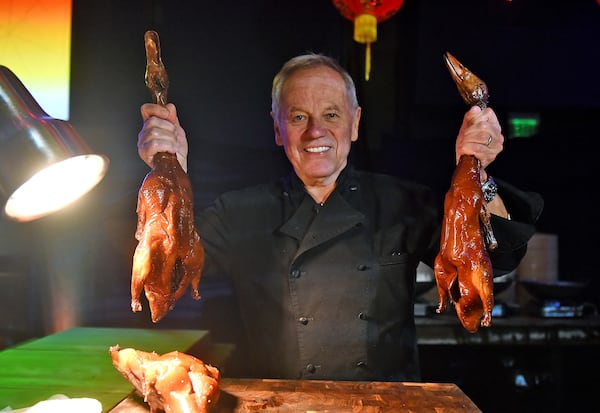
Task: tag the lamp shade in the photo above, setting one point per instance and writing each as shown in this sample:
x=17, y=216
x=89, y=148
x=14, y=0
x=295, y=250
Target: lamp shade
x=44, y=163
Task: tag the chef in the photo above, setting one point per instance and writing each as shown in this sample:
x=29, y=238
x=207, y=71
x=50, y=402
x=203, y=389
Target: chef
x=322, y=262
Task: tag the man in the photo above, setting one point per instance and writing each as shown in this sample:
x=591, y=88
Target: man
x=322, y=263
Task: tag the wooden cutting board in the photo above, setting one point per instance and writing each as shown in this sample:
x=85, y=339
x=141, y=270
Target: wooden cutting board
x=249, y=395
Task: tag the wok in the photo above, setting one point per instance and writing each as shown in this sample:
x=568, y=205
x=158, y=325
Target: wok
x=554, y=290
x=502, y=282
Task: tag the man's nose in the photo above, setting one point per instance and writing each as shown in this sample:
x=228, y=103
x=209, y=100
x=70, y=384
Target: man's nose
x=316, y=128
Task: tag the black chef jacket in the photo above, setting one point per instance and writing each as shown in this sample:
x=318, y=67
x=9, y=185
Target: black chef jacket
x=327, y=291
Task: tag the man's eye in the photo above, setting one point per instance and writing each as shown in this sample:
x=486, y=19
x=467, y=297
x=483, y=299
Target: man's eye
x=298, y=118
x=331, y=115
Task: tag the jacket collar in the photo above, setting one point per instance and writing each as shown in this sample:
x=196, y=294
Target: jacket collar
x=293, y=187
x=312, y=225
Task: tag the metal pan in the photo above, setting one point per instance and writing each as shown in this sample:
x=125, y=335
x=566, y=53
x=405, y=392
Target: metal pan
x=555, y=290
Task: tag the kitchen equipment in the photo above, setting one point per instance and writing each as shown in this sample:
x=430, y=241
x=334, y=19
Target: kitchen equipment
x=540, y=262
x=425, y=279
x=427, y=301
x=557, y=290
x=558, y=299
x=502, y=282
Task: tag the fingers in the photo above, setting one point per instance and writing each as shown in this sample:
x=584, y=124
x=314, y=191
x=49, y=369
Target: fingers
x=480, y=135
x=161, y=132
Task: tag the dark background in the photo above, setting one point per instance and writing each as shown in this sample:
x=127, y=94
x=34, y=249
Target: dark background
x=536, y=57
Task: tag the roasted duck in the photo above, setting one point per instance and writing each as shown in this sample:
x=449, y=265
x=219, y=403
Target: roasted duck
x=463, y=269
x=172, y=383
x=169, y=255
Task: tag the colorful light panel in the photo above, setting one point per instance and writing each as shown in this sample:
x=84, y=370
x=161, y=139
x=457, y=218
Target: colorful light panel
x=35, y=43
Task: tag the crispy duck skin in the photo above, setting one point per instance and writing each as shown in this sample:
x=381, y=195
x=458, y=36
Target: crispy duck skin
x=462, y=268
x=169, y=255
x=174, y=382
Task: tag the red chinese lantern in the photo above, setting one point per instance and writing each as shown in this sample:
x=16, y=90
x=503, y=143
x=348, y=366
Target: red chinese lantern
x=366, y=14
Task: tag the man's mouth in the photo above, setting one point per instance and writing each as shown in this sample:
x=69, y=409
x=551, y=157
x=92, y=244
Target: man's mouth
x=317, y=149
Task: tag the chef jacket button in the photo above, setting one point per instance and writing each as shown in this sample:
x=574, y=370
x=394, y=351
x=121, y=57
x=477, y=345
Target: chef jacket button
x=311, y=368
x=296, y=273
x=362, y=316
x=286, y=194
x=353, y=188
x=303, y=320
x=361, y=364
x=361, y=267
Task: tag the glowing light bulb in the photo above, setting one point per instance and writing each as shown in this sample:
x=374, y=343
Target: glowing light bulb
x=55, y=187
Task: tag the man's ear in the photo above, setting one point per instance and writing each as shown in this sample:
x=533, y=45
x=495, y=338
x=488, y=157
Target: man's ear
x=355, y=124
x=278, y=140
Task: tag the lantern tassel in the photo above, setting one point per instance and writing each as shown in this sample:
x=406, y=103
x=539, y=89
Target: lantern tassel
x=366, y=14
x=368, y=61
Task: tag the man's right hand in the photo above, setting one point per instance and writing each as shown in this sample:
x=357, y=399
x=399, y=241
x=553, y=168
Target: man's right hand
x=161, y=132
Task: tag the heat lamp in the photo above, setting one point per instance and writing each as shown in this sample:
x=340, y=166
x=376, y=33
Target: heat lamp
x=44, y=164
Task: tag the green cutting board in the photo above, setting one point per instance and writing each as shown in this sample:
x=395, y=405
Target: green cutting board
x=77, y=363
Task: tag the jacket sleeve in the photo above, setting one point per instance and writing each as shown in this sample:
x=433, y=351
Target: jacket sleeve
x=513, y=234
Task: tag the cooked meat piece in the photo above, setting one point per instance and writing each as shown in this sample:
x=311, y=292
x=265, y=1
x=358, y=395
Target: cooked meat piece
x=169, y=255
x=463, y=269
x=172, y=383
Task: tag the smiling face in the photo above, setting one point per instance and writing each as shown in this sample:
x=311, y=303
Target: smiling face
x=316, y=124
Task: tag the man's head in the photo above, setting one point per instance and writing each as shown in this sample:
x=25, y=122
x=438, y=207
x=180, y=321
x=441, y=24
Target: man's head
x=308, y=61
x=316, y=116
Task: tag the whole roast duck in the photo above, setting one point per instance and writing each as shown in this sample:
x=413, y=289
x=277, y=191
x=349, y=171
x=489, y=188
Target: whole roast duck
x=462, y=268
x=169, y=256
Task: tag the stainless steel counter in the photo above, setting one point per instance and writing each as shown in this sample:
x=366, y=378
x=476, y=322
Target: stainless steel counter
x=445, y=329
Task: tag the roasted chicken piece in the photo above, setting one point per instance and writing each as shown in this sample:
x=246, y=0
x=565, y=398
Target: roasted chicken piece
x=172, y=383
x=169, y=255
x=463, y=269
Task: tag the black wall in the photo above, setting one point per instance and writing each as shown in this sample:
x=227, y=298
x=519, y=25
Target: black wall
x=221, y=57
